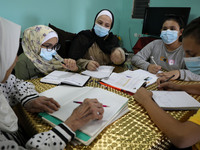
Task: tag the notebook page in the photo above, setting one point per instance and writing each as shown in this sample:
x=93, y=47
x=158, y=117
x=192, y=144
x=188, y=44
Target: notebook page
x=64, y=95
x=101, y=72
x=130, y=80
x=56, y=77
x=174, y=99
x=142, y=75
x=124, y=82
x=106, y=98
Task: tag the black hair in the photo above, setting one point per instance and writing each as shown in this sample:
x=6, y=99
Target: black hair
x=193, y=30
x=178, y=19
x=111, y=14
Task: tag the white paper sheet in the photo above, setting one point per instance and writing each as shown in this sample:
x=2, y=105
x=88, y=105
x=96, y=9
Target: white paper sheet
x=101, y=72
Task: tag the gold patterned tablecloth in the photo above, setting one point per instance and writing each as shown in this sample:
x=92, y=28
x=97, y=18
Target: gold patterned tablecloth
x=133, y=131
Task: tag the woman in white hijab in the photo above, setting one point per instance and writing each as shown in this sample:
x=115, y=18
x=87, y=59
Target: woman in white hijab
x=12, y=90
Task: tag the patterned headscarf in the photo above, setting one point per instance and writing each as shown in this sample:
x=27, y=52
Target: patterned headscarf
x=32, y=40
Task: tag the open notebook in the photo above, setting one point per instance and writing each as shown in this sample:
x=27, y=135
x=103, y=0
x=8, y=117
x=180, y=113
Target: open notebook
x=175, y=100
x=65, y=95
x=101, y=72
x=130, y=81
x=63, y=77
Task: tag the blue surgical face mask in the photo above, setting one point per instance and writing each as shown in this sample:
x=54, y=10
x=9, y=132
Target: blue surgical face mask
x=193, y=64
x=100, y=31
x=47, y=55
x=169, y=36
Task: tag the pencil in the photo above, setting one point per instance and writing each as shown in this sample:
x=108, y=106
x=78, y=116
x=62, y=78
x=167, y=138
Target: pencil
x=82, y=102
x=169, y=78
x=58, y=59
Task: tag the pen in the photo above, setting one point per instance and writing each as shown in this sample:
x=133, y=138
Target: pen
x=58, y=59
x=169, y=78
x=92, y=58
x=144, y=84
x=82, y=102
x=152, y=58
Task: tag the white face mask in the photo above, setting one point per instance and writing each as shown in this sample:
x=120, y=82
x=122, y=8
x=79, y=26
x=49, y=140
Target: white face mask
x=193, y=64
x=47, y=55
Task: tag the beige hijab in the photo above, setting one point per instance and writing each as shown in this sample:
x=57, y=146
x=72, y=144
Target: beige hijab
x=32, y=40
x=9, y=43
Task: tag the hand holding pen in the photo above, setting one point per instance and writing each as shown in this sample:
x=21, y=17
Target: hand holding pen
x=153, y=68
x=169, y=85
x=92, y=65
x=165, y=85
x=69, y=64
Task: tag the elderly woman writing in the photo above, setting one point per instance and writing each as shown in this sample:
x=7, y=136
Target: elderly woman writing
x=13, y=90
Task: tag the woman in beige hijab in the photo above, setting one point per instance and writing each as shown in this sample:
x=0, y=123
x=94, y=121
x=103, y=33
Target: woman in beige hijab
x=40, y=45
x=13, y=90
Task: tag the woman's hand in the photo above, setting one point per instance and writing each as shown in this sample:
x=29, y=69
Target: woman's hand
x=92, y=65
x=90, y=109
x=70, y=64
x=166, y=75
x=169, y=86
x=142, y=96
x=42, y=104
x=154, y=68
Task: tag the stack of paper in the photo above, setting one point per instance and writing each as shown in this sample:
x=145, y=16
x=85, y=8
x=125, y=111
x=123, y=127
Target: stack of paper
x=63, y=77
x=175, y=100
x=65, y=95
x=130, y=80
x=101, y=72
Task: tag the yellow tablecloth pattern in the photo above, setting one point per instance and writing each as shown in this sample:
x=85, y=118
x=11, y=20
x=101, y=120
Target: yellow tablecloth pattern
x=135, y=130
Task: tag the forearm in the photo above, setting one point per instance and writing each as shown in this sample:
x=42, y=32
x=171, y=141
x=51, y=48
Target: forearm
x=187, y=75
x=140, y=62
x=191, y=89
x=172, y=128
x=57, y=138
x=82, y=63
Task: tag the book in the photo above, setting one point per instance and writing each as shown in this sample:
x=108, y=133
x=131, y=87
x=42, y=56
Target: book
x=175, y=100
x=65, y=95
x=101, y=72
x=129, y=80
x=63, y=77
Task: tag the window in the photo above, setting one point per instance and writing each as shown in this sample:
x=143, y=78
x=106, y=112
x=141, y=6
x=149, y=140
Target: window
x=139, y=8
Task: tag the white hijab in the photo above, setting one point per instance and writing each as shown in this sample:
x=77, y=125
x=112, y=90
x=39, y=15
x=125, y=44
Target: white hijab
x=9, y=43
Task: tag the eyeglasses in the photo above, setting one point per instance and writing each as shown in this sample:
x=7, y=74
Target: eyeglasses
x=49, y=48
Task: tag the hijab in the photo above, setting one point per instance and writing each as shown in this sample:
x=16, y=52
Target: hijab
x=32, y=40
x=107, y=13
x=9, y=43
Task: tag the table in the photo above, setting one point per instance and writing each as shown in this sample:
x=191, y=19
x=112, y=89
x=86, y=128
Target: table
x=135, y=130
